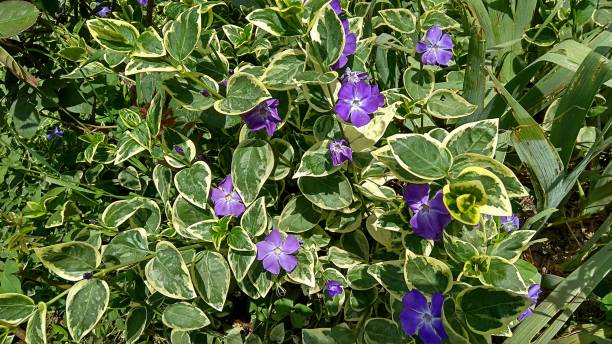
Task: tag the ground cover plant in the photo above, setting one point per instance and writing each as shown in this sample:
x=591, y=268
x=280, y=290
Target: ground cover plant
x=288, y=171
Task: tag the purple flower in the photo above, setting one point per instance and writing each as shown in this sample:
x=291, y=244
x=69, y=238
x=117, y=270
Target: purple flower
x=333, y=288
x=533, y=293
x=436, y=47
x=430, y=215
x=178, y=149
x=143, y=2
x=205, y=92
x=357, y=102
x=226, y=201
x=265, y=115
x=340, y=152
x=510, y=223
x=224, y=81
x=87, y=276
x=274, y=252
x=419, y=316
x=350, y=45
x=104, y=10
x=336, y=6
x=352, y=77
x=55, y=133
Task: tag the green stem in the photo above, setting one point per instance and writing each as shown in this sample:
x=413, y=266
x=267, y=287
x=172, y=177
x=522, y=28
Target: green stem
x=202, y=84
x=58, y=297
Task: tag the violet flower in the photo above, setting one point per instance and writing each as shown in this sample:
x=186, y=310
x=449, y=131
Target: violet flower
x=436, y=47
x=350, y=46
x=143, y=2
x=205, y=93
x=265, y=115
x=178, y=149
x=357, y=102
x=340, y=152
x=353, y=77
x=336, y=6
x=55, y=133
x=226, y=200
x=276, y=253
x=104, y=10
x=333, y=288
x=430, y=215
x=87, y=276
x=510, y=223
x=419, y=316
x=533, y=293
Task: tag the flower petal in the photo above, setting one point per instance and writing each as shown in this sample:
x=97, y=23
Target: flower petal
x=416, y=195
x=436, y=304
x=411, y=321
x=444, y=57
x=227, y=184
x=446, y=42
x=359, y=118
x=415, y=301
x=434, y=34
x=426, y=225
x=217, y=195
x=271, y=264
x=439, y=327
x=525, y=314
x=422, y=47
x=264, y=249
x=287, y=261
x=429, y=58
x=291, y=244
x=236, y=208
x=275, y=238
x=428, y=334
x=343, y=109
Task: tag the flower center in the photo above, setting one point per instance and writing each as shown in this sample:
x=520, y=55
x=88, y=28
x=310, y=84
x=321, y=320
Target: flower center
x=356, y=102
x=278, y=251
x=427, y=317
x=424, y=207
x=228, y=197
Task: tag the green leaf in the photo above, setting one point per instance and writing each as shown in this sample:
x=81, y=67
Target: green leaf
x=168, y=274
x=211, y=277
x=476, y=137
x=180, y=337
x=15, y=308
x=113, y=34
x=399, y=19
x=149, y=44
x=419, y=83
x=9, y=62
x=193, y=183
x=282, y=165
x=463, y=200
x=244, y=92
x=129, y=179
x=135, y=324
x=162, y=178
x=513, y=186
x=25, y=116
x=421, y=155
x=252, y=164
x=127, y=246
x=512, y=246
x=36, y=331
x=304, y=272
x=502, y=274
x=69, y=260
x=127, y=149
x=446, y=104
x=458, y=250
x=327, y=37
x=382, y=331
x=339, y=334
x=278, y=22
x=343, y=259
x=359, y=278
x=255, y=220
x=365, y=137
x=146, y=65
x=182, y=34
x=488, y=309
x=185, y=215
x=496, y=202
x=86, y=302
x=17, y=16
x=184, y=316
x=187, y=92
x=239, y=240
x=428, y=274
x=298, y=216
x=331, y=192
x=316, y=161
x=283, y=68
x=390, y=275
x=147, y=216
x=240, y=262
